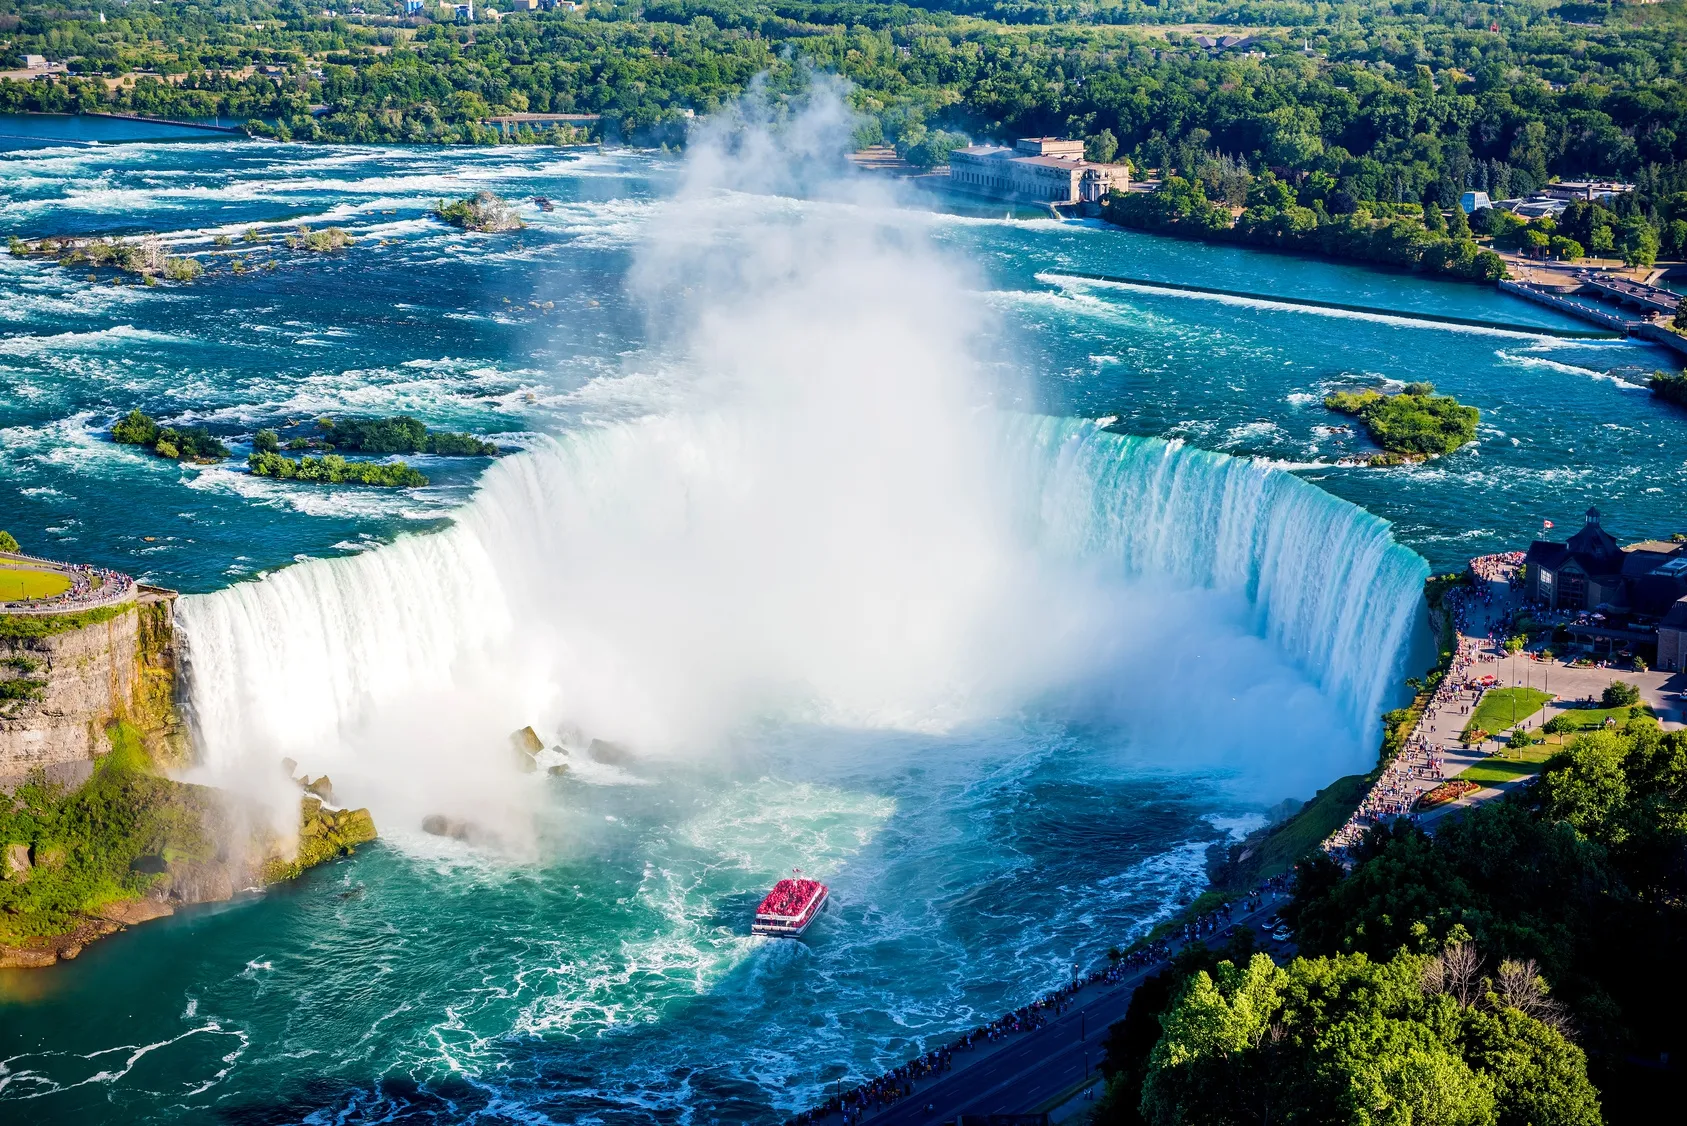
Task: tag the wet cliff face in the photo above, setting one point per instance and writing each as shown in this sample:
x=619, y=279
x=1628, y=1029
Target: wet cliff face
x=65, y=678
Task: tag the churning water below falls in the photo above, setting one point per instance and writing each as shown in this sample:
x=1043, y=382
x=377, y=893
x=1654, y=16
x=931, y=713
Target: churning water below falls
x=825, y=510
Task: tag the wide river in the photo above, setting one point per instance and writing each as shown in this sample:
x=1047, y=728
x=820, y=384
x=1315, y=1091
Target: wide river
x=982, y=828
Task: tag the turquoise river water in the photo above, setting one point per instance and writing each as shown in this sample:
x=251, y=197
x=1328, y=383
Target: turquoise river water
x=888, y=553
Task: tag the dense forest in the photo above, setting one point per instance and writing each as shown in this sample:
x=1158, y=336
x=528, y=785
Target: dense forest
x=1520, y=966
x=1393, y=102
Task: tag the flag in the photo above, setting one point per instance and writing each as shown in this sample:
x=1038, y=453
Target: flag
x=1546, y=523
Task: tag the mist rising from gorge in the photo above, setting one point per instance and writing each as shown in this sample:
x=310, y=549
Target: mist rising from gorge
x=826, y=519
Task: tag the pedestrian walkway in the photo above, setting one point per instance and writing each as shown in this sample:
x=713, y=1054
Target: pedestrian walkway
x=1483, y=614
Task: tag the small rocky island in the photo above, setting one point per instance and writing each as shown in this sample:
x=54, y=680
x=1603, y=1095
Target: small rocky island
x=1411, y=426
x=400, y=434
x=94, y=833
x=483, y=211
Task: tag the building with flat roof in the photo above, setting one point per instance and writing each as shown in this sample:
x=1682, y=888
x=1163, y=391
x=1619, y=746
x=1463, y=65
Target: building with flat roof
x=1044, y=169
x=1586, y=190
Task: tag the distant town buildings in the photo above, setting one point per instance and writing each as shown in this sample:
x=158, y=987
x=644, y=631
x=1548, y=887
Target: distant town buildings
x=1043, y=169
x=1227, y=42
x=1636, y=595
x=1552, y=200
x=1587, y=190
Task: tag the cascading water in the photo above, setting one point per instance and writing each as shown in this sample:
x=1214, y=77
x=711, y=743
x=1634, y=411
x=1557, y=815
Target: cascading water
x=1328, y=583
x=599, y=580
x=822, y=522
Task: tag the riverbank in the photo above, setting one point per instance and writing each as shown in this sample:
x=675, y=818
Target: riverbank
x=95, y=836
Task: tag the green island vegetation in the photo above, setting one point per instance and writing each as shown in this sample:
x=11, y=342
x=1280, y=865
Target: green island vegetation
x=333, y=469
x=1671, y=388
x=400, y=434
x=144, y=257
x=176, y=443
x=1410, y=426
x=1330, y=128
x=483, y=211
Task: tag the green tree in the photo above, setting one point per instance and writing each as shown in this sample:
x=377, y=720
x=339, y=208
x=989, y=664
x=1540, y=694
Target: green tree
x=8, y=542
x=1620, y=694
x=1102, y=147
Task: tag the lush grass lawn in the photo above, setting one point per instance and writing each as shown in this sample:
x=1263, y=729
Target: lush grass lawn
x=1512, y=764
x=18, y=583
x=1591, y=719
x=1502, y=707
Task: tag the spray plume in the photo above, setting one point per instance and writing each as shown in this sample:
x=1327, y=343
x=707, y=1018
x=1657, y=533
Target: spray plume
x=827, y=523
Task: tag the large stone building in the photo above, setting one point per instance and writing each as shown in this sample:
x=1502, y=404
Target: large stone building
x=1638, y=593
x=1044, y=169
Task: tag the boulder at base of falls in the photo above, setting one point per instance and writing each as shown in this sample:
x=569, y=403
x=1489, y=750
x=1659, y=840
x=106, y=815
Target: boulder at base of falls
x=323, y=835
x=610, y=754
x=526, y=743
x=322, y=788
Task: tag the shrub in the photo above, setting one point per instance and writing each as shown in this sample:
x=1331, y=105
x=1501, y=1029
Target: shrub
x=1620, y=694
x=135, y=429
x=401, y=434
x=267, y=442
x=1671, y=388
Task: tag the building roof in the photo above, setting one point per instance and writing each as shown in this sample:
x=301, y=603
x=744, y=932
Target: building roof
x=1065, y=163
x=1545, y=553
x=1677, y=616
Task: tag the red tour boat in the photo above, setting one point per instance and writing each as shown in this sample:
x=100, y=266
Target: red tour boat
x=789, y=908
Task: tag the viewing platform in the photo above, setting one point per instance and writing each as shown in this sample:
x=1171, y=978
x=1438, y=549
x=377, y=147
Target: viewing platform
x=32, y=585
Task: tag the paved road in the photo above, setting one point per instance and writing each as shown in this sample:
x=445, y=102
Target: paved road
x=1031, y=1071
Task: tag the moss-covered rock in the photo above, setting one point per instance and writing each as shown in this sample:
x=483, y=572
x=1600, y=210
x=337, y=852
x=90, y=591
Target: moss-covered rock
x=324, y=834
x=130, y=845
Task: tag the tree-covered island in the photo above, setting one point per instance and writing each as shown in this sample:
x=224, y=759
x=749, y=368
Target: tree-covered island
x=1412, y=425
x=193, y=443
x=483, y=211
x=336, y=470
x=400, y=434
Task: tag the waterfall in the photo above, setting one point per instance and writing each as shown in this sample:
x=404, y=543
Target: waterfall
x=661, y=578
x=1327, y=581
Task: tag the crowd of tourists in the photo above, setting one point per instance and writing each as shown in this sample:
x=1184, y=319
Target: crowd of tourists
x=1414, y=772
x=1421, y=766
x=89, y=586
x=788, y=898
x=1505, y=567
x=855, y=1104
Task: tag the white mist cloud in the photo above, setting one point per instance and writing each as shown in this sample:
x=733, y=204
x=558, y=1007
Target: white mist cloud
x=824, y=529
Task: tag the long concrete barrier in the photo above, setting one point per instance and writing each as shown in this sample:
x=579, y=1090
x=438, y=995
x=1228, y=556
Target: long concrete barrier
x=1431, y=318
